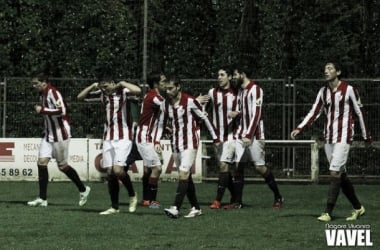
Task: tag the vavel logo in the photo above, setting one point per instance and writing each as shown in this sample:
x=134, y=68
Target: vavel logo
x=348, y=235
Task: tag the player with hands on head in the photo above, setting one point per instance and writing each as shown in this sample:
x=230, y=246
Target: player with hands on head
x=117, y=136
x=55, y=143
x=338, y=100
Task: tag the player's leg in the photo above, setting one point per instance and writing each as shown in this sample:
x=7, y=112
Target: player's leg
x=145, y=184
x=153, y=186
x=44, y=155
x=237, y=177
x=122, y=149
x=61, y=154
x=226, y=159
x=182, y=186
x=133, y=156
x=223, y=183
x=113, y=188
x=336, y=167
x=257, y=153
x=191, y=195
x=346, y=184
x=152, y=165
x=332, y=195
x=43, y=179
x=112, y=180
x=185, y=161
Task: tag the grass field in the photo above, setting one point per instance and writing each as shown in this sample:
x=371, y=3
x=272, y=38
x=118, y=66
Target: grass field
x=65, y=225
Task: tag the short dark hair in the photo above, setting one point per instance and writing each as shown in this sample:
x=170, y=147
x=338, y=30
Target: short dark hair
x=104, y=79
x=42, y=77
x=174, y=79
x=247, y=70
x=152, y=79
x=338, y=67
x=226, y=68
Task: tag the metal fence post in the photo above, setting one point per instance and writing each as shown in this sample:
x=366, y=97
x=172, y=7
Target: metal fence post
x=314, y=151
x=3, y=122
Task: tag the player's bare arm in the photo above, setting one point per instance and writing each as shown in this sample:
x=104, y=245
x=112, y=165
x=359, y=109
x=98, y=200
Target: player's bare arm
x=203, y=99
x=87, y=90
x=134, y=89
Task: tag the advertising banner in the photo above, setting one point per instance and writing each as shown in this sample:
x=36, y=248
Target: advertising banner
x=18, y=161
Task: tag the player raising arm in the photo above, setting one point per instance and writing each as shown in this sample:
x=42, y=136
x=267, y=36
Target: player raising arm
x=338, y=101
x=117, y=136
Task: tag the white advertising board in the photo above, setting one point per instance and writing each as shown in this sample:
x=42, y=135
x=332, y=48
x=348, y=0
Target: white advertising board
x=18, y=161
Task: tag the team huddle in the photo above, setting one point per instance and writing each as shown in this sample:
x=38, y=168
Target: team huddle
x=232, y=117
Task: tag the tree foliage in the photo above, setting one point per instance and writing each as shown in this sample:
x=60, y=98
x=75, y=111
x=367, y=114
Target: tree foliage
x=190, y=38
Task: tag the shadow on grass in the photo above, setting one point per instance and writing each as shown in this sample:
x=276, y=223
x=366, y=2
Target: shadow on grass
x=24, y=202
x=14, y=202
x=139, y=212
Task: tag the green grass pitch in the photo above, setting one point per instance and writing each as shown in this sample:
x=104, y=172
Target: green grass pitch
x=65, y=225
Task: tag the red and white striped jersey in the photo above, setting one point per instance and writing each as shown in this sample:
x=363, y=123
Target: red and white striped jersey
x=250, y=101
x=185, y=130
x=338, y=107
x=150, y=112
x=55, y=115
x=117, y=116
x=223, y=102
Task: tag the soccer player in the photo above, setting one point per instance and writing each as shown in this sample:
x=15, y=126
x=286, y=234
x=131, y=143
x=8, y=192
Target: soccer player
x=146, y=130
x=117, y=137
x=183, y=110
x=250, y=136
x=223, y=100
x=338, y=100
x=55, y=143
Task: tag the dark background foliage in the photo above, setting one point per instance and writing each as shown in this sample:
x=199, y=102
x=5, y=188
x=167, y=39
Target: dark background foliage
x=76, y=41
x=190, y=38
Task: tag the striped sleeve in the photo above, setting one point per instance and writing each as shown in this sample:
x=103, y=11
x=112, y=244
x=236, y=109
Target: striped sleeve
x=161, y=123
x=256, y=109
x=197, y=110
x=57, y=106
x=359, y=111
x=315, y=111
